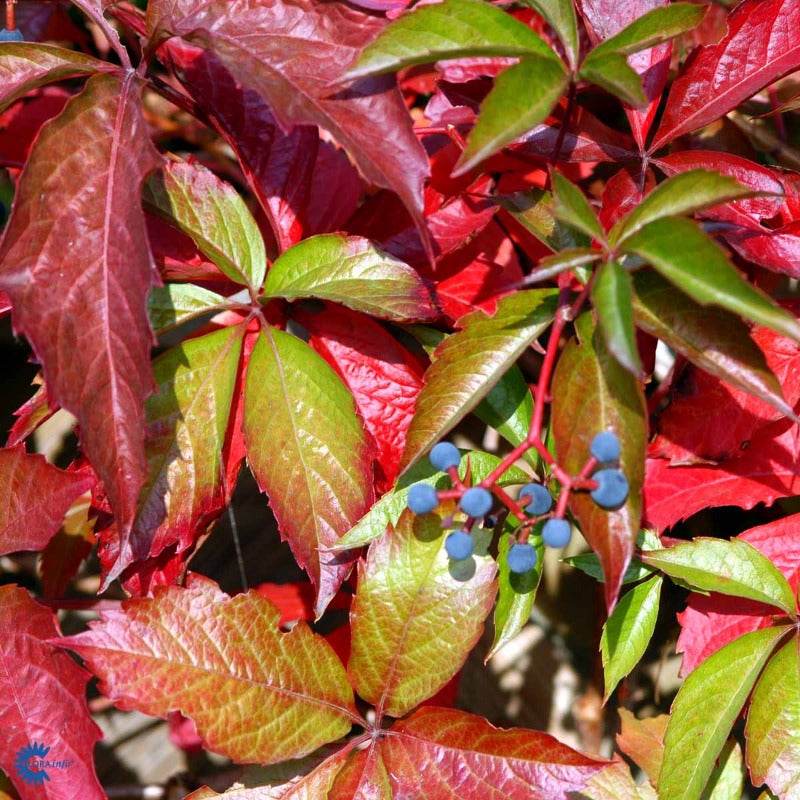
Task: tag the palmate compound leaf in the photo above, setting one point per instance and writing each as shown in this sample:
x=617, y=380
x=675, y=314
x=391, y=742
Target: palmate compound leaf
x=350, y=270
x=468, y=363
x=214, y=215
x=309, y=453
x=705, y=709
x=593, y=393
x=76, y=264
x=255, y=694
x=292, y=52
x=410, y=598
x=34, y=497
x=44, y=701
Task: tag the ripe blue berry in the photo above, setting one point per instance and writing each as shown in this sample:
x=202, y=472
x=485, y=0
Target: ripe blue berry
x=11, y=36
x=422, y=498
x=458, y=545
x=522, y=558
x=605, y=446
x=541, y=500
x=444, y=456
x=477, y=502
x=556, y=533
x=612, y=488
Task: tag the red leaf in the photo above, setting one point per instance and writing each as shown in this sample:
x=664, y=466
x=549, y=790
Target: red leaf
x=20, y=123
x=78, y=195
x=279, y=166
x=777, y=250
x=450, y=755
x=30, y=415
x=43, y=692
x=622, y=193
x=710, y=622
x=34, y=496
x=604, y=18
x=761, y=45
x=336, y=188
x=383, y=377
x=292, y=54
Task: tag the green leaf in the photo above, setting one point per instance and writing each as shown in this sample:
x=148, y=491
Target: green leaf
x=523, y=96
x=698, y=266
x=628, y=631
x=508, y=408
x=213, y=215
x=773, y=724
x=173, y=304
x=468, y=363
x=571, y=206
x=727, y=778
x=352, y=271
x=612, y=298
x=656, y=26
x=714, y=339
x=707, y=705
x=733, y=567
x=388, y=509
x=550, y=266
x=684, y=193
x=533, y=210
x=560, y=15
x=308, y=451
x=410, y=599
x=517, y=593
x=452, y=29
x=590, y=564
x=592, y=393
x=611, y=72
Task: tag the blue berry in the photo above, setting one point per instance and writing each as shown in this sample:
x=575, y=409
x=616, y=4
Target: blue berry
x=612, y=488
x=522, y=558
x=458, y=545
x=444, y=456
x=541, y=500
x=556, y=533
x=422, y=498
x=11, y=36
x=605, y=446
x=477, y=502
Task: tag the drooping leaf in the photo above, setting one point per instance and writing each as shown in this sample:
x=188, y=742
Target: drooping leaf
x=516, y=594
x=175, y=303
x=410, y=596
x=44, y=693
x=731, y=567
x=627, y=632
x=271, y=697
x=707, y=705
x=452, y=29
x=523, y=96
x=714, y=339
x=308, y=451
x=383, y=377
x=449, y=754
x=292, y=54
x=214, y=215
x=612, y=298
x=678, y=249
x=351, y=271
x=24, y=66
x=560, y=15
x=388, y=509
x=758, y=48
x=773, y=724
x=86, y=316
x=593, y=393
x=570, y=206
x=34, y=497
x=684, y=193
x=468, y=363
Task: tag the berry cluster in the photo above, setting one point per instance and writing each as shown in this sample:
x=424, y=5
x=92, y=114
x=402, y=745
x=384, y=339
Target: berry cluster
x=608, y=488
